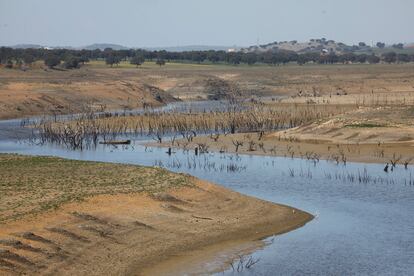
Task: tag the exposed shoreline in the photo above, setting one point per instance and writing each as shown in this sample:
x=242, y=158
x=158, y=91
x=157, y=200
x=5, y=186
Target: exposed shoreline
x=135, y=233
x=311, y=149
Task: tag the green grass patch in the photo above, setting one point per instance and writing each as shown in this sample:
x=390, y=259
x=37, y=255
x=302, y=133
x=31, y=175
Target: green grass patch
x=34, y=184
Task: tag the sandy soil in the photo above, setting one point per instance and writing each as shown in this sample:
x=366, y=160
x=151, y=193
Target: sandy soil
x=308, y=149
x=140, y=233
x=38, y=92
x=367, y=134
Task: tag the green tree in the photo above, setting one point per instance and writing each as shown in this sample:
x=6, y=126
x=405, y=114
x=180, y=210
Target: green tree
x=390, y=57
x=301, y=60
x=403, y=58
x=362, y=58
x=233, y=58
x=398, y=46
x=381, y=45
x=267, y=58
x=51, y=60
x=84, y=59
x=5, y=54
x=347, y=58
x=9, y=64
x=373, y=59
x=249, y=58
x=112, y=59
x=71, y=62
x=28, y=59
x=160, y=62
x=198, y=56
x=215, y=56
x=137, y=60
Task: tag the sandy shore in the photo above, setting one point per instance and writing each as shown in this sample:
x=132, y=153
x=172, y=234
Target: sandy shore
x=141, y=233
x=307, y=149
x=369, y=135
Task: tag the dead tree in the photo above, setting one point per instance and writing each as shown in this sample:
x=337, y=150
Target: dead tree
x=157, y=137
x=203, y=148
x=214, y=137
x=189, y=135
x=173, y=140
x=252, y=146
x=395, y=160
x=407, y=162
x=237, y=144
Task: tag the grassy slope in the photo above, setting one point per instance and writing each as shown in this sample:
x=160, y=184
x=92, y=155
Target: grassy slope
x=31, y=185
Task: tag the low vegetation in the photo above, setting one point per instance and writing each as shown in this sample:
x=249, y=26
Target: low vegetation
x=31, y=185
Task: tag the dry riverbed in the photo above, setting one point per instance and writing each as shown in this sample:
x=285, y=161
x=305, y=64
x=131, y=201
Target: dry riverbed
x=70, y=217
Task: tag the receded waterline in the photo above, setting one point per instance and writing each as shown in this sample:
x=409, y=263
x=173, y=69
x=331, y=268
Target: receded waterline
x=360, y=227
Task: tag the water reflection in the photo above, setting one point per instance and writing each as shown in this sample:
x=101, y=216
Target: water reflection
x=364, y=219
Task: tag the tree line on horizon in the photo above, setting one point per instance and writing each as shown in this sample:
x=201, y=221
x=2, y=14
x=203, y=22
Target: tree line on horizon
x=69, y=59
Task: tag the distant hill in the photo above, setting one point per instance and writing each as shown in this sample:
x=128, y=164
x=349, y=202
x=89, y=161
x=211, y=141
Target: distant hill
x=313, y=45
x=103, y=46
x=27, y=46
x=324, y=45
x=100, y=46
x=193, y=48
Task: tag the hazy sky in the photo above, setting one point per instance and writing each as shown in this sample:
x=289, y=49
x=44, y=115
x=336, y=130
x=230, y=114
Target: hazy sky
x=150, y=23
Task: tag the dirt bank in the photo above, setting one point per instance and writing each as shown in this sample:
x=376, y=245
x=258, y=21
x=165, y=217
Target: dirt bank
x=37, y=92
x=122, y=231
x=40, y=92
